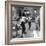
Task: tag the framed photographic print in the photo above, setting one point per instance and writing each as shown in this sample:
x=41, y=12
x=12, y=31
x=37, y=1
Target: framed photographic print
x=24, y=22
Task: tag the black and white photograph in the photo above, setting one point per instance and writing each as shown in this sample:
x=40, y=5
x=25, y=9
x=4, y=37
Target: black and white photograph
x=25, y=21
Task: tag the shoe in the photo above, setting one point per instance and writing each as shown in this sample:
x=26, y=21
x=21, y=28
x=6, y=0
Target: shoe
x=24, y=32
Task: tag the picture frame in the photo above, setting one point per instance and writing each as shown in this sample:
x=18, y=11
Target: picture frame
x=8, y=22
